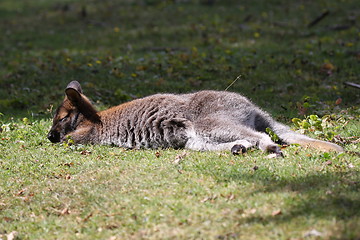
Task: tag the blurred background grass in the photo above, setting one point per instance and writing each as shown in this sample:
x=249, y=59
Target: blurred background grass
x=119, y=50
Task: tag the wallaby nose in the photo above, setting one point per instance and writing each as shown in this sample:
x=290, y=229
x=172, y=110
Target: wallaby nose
x=53, y=136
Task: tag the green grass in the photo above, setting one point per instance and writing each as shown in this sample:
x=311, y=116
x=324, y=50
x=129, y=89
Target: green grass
x=68, y=192
x=126, y=49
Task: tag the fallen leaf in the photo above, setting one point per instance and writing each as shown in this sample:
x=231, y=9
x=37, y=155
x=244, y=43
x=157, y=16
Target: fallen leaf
x=65, y=211
x=205, y=199
x=85, y=152
x=111, y=226
x=21, y=192
x=68, y=164
x=88, y=217
x=314, y=233
x=248, y=212
x=338, y=101
x=276, y=213
x=328, y=66
x=12, y=235
x=8, y=219
x=157, y=154
x=210, y=198
x=231, y=197
x=328, y=162
x=28, y=197
x=328, y=192
x=180, y=157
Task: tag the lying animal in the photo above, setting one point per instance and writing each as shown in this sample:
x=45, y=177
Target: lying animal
x=205, y=120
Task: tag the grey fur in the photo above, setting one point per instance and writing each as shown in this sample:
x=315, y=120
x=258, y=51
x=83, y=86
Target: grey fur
x=205, y=120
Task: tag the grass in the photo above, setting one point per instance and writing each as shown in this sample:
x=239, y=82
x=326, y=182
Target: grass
x=120, y=50
x=69, y=192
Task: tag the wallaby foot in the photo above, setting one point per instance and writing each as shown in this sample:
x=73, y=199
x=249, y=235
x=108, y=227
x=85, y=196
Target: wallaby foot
x=238, y=149
x=275, y=149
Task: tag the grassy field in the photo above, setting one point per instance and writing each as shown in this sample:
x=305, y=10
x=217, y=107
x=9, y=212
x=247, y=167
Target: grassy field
x=286, y=57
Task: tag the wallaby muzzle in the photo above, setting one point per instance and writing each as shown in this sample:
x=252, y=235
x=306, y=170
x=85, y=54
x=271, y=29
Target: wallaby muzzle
x=54, y=136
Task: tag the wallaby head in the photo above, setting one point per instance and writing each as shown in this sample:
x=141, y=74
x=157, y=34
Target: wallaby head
x=74, y=111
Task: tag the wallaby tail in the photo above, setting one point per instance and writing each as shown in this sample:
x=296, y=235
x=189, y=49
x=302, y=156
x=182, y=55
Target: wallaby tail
x=291, y=137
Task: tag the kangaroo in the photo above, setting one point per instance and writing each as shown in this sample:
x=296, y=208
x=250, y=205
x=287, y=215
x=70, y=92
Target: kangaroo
x=203, y=121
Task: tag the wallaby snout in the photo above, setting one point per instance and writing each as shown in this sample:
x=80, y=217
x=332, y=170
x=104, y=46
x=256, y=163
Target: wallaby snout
x=54, y=136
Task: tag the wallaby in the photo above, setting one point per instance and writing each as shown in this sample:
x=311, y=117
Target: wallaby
x=205, y=120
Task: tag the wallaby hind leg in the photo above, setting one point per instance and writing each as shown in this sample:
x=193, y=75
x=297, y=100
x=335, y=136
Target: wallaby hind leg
x=200, y=143
x=223, y=134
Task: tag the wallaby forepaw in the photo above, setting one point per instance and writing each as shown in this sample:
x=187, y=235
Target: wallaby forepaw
x=275, y=149
x=238, y=149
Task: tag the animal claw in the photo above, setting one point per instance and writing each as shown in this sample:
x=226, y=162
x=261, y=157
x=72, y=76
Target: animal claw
x=275, y=150
x=238, y=149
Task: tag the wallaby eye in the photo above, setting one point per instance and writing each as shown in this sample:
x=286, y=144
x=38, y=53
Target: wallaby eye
x=64, y=118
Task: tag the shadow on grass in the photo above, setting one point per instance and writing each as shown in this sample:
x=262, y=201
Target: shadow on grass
x=324, y=195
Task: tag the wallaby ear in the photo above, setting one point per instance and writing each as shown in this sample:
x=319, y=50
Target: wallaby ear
x=74, y=96
x=73, y=92
x=75, y=85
